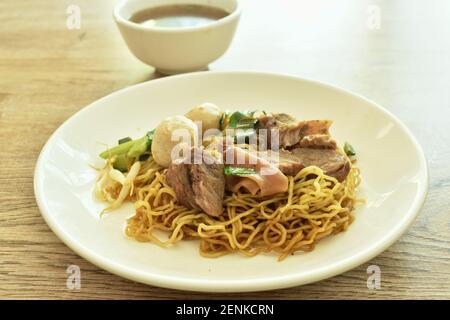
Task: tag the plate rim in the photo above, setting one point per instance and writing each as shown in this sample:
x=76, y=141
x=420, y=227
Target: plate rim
x=242, y=285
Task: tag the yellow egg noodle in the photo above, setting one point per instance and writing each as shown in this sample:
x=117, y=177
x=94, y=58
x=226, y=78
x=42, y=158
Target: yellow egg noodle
x=314, y=207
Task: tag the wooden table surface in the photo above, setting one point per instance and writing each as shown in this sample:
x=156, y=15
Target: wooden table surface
x=395, y=52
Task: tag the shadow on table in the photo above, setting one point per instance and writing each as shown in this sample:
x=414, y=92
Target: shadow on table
x=155, y=74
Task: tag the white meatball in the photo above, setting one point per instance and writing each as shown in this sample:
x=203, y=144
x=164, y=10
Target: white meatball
x=163, y=144
x=209, y=114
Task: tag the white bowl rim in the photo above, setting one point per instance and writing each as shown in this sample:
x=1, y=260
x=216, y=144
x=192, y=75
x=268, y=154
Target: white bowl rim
x=120, y=19
x=269, y=283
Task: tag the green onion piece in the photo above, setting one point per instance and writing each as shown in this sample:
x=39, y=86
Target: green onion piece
x=115, y=151
x=121, y=163
x=349, y=150
x=237, y=171
x=133, y=148
x=138, y=148
x=242, y=120
x=123, y=140
x=149, y=136
x=144, y=156
x=223, y=122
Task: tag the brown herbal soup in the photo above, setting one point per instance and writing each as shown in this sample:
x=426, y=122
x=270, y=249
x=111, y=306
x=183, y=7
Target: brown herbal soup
x=179, y=15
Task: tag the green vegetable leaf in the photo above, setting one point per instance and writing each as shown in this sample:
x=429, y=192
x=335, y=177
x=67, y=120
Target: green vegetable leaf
x=144, y=156
x=123, y=140
x=349, y=150
x=121, y=163
x=131, y=148
x=242, y=120
x=115, y=151
x=223, y=122
x=237, y=171
x=149, y=136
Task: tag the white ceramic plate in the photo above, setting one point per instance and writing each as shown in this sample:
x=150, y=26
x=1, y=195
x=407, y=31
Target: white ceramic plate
x=393, y=168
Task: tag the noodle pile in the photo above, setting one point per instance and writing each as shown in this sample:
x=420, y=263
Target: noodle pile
x=315, y=206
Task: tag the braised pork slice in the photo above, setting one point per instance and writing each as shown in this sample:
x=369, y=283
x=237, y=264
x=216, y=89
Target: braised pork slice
x=267, y=179
x=312, y=133
x=316, y=141
x=198, y=184
x=178, y=178
x=208, y=184
x=330, y=161
x=290, y=162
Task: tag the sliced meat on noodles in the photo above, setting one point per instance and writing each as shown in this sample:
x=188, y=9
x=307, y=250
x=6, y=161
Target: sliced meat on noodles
x=198, y=184
x=332, y=162
x=312, y=133
x=249, y=183
x=290, y=162
x=178, y=178
x=208, y=184
x=267, y=179
x=316, y=141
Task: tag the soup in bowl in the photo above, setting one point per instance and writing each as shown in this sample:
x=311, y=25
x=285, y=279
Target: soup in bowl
x=176, y=36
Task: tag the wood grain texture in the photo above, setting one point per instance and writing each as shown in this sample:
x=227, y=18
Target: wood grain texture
x=47, y=73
